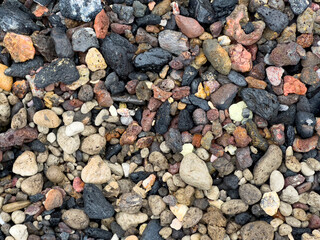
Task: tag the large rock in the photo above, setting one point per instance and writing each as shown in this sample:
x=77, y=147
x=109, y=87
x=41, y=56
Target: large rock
x=275, y=19
x=202, y=11
x=118, y=53
x=258, y=230
x=234, y=206
x=22, y=69
x=152, y=60
x=60, y=70
x=261, y=102
x=32, y=185
x=93, y=144
x=80, y=10
x=269, y=162
x=217, y=56
x=14, y=19
x=95, y=204
x=195, y=172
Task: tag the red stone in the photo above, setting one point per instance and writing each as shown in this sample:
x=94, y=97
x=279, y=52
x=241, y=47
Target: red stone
x=131, y=86
x=278, y=135
x=241, y=137
x=213, y=114
x=154, y=104
x=78, y=184
x=17, y=137
x=101, y=24
x=314, y=222
x=196, y=140
x=72, y=104
x=253, y=49
x=215, y=28
x=305, y=145
x=293, y=85
x=130, y=135
x=147, y=118
x=305, y=40
x=53, y=200
x=189, y=26
x=294, y=181
x=240, y=58
x=160, y=94
x=102, y=95
x=180, y=92
x=119, y=28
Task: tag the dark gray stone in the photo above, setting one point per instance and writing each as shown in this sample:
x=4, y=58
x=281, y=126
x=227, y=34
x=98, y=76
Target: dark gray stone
x=152, y=60
x=188, y=75
x=237, y=78
x=98, y=233
x=61, y=42
x=202, y=11
x=305, y=122
x=185, y=122
x=96, y=205
x=163, y=118
x=261, y=102
x=174, y=140
x=83, y=39
x=152, y=231
x=60, y=70
x=275, y=19
x=124, y=12
x=298, y=6
x=24, y=68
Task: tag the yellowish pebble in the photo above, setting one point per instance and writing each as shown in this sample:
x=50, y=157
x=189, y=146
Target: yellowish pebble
x=6, y=81
x=201, y=93
x=95, y=60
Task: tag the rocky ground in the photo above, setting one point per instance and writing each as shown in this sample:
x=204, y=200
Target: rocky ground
x=136, y=119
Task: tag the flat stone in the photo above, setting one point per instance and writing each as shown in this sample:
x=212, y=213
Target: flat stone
x=46, y=118
x=22, y=69
x=11, y=207
x=223, y=97
x=173, y=41
x=276, y=181
x=258, y=230
x=152, y=60
x=194, y=172
x=96, y=171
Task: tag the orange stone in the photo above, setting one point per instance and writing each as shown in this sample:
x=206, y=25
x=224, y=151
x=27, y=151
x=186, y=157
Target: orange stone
x=40, y=10
x=256, y=83
x=53, y=200
x=20, y=88
x=152, y=29
x=196, y=140
x=101, y=24
x=305, y=145
x=5, y=81
x=144, y=142
x=293, y=85
x=189, y=26
x=241, y=137
x=78, y=184
x=305, y=40
x=19, y=46
x=160, y=94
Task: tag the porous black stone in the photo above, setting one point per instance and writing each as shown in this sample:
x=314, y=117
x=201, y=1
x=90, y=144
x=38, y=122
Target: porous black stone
x=138, y=176
x=305, y=123
x=275, y=19
x=118, y=52
x=61, y=69
x=202, y=11
x=163, y=118
x=223, y=8
x=242, y=218
x=261, y=102
x=199, y=102
x=98, y=233
x=22, y=69
x=96, y=205
x=185, y=122
x=112, y=150
x=37, y=146
x=298, y=6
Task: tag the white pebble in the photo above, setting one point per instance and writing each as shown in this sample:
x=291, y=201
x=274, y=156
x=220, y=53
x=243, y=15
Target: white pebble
x=113, y=111
x=51, y=137
x=74, y=129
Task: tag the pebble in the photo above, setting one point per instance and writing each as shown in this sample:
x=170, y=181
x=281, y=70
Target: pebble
x=194, y=172
x=76, y=219
x=270, y=203
x=19, y=231
x=152, y=231
x=95, y=60
x=54, y=174
x=234, y=206
x=159, y=56
x=46, y=118
x=217, y=56
x=93, y=144
x=25, y=164
x=276, y=181
x=32, y=185
x=270, y=161
x=68, y=144
x=96, y=171
x=18, y=217
x=274, y=75
x=63, y=47
x=249, y=193
x=54, y=199
x=173, y=41
x=289, y=195
x=6, y=82
x=223, y=97
x=101, y=24
x=189, y=26
x=127, y=220
x=287, y=54
x=83, y=39
x=157, y=205
x=74, y=129
x=298, y=7
x=257, y=230
x=276, y=20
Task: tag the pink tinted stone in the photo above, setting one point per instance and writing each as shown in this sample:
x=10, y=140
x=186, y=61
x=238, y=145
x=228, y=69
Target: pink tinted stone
x=147, y=118
x=240, y=58
x=78, y=184
x=189, y=26
x=274, y=75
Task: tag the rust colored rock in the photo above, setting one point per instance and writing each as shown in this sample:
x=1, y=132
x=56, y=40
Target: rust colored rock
x=216, y=150
x=305, y=40
x=17, y=137
x=241, y=137
x=130, y=135
x=53, y=200
x=131, y=86
x=160, y=94
x=144, y=142
x=101, y=24
x=119, y=28
x=233, y=28
x=305, y=145
x=19, y=46
x=154, y=104
x=180, y=92
x=240, y=58
x=6, y=81
x=102, y=95
x=256, y=83
x=147, y=118
x=189, y=26
x=196, y=140
x=225, y=140
x=20, y=88
x=40, y=10
x=293, y=85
